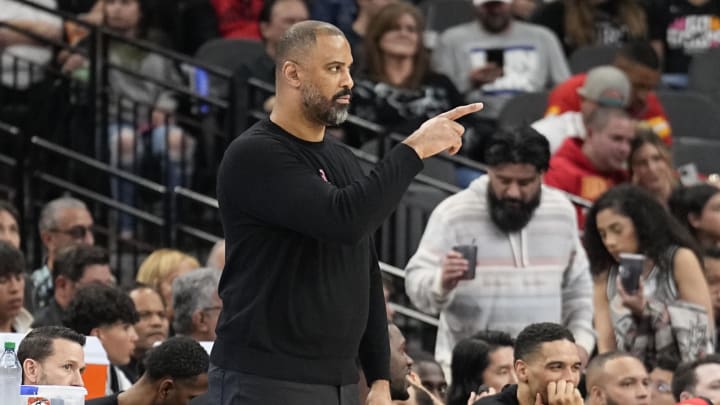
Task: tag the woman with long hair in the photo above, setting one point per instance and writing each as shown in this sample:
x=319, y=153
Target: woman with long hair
x=397, y=88
x=579, y=23
x=670, y=311
x=483, y=361
x=651, y=166
x=697, y=207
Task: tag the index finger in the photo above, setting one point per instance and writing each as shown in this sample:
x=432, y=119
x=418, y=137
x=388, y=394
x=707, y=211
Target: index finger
x=463, y=110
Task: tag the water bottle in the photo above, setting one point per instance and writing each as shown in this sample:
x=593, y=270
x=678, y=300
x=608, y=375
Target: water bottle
x=10, y=376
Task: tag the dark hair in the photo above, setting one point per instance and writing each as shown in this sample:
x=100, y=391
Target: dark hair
x=301, y=36
x=534, y=335
x=470, y=357
x=385, y=20
x=98, y=305
x=495, y=338
x=580, y=16
x=521, y=145
x=12, y=261
x=646, y=136
x=655, y=229
x=640, y=52
x=685, y=378
x=71, y=261
x=179, y=357
x=10, y=209
x=665, y=362
x=37, y=344
x=690, y=200
x=268, y=5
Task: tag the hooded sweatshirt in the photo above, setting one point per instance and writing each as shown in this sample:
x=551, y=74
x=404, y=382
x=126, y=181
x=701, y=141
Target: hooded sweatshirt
x=540, y=274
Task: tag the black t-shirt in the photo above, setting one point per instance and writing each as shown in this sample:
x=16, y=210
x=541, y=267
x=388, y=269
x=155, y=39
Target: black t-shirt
x=302, y=290
x=685, y=30
x=608, y=28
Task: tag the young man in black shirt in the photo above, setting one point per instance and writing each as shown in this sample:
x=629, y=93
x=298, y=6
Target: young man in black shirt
x=302, y=292
x=547, y=365
x=175, y=373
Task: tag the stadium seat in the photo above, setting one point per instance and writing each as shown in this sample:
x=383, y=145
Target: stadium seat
x=523, y=109
x=588, y=57
x=704, y=77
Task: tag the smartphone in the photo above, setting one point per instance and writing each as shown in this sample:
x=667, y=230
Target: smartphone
x=482, y=388
x=631, y=268
x=496, y=56
x=688, y=174
x=469, y=253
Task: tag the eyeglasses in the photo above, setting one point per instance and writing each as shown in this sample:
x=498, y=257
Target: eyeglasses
x=76, y=232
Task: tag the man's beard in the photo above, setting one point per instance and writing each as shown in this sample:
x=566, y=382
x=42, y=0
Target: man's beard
x=320, y=109
x=495, y=24
x=399, y=390
x=510, y=214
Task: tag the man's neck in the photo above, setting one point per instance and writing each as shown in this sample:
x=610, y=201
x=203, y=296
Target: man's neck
x=524, y=396
x=589, y=152
x=141, y=393
x=296, y=123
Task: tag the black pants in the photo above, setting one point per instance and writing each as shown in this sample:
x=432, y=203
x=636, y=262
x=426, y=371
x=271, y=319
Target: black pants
x=228, y=387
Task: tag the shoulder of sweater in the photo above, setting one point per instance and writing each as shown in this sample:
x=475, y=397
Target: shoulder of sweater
x=554, y=198
x=460, y=32
x=534, y=29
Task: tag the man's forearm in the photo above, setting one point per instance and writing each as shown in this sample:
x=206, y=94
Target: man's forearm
x=11, y=33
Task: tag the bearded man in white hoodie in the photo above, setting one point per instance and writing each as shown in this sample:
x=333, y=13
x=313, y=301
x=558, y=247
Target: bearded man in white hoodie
x=530, y=265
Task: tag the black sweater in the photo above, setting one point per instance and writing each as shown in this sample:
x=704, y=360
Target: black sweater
x=301, y=288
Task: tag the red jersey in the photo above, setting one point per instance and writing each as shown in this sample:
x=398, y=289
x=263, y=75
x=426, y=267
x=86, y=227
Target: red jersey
x=571, y=171
x=564, y=97
x=238, y=18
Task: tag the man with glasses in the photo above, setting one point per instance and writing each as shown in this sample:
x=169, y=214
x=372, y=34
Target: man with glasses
x=196, y=304
x=661, y=381
x=63, y=222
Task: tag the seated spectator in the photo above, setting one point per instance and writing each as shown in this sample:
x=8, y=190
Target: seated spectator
x=672, y=301
x=196, y=304
x=431, y=377
x=686, y=28
x=216, y=258
x=14, y=318
x=9, y=224
x=276, y=16
x=531, y=57
x=711, y=261
x=397, y=89
x=699, y=378
x=238, y=18
x=400, y=365
x=696, y=208
x=355, y=33
x=76, y=266
x=176, y=372
x=605, y=86
x=151, y=328
x=109, y=314
x=661, y=378
x=617, y=378
x=641, y=65
x=548, y=367
x=52, y=355
x=63, y=222
x=506, y=214
x=651, y=166
x=579, y=23
x=587, y=168
x=483, y=361
x=161, y=268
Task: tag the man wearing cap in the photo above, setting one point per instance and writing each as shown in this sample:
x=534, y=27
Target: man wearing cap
x=589, y=167
x=495, y=58
x=605, y=86
x=641, y=65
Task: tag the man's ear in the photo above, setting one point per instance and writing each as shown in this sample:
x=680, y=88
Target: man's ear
x=694, y=220
x=198, y=321
x=97, y=332
x=521, y=370
x=31, y=372
x=291, y=74
x=596, y=395
x=686, y=395
x=165, y=386
x=47, y=238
